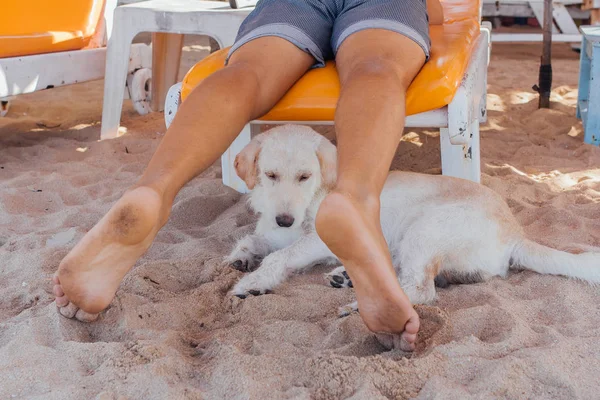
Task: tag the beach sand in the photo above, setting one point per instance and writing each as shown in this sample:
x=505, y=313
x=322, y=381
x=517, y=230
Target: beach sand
x=173, y=332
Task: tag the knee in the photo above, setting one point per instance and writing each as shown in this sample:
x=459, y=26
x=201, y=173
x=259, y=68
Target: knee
x=251, y=81
x=378, y=69
x=244, y=73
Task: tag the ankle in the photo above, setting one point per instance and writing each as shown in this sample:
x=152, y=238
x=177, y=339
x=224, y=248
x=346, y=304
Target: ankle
x=164, y=200
x=363, y=197
x=338, y=209
x=137, y=216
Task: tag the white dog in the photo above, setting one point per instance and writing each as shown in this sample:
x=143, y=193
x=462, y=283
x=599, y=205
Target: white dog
x=439, y=229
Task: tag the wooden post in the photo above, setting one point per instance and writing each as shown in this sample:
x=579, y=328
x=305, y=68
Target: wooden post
x=594, y=7
x=545, y=75
x=166, y=55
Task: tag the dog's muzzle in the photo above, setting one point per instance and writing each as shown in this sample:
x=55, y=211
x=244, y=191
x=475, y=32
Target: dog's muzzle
x=284, y=220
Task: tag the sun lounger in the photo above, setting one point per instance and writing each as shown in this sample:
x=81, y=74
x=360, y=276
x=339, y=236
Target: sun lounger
x=45, y=44
x=449, y=93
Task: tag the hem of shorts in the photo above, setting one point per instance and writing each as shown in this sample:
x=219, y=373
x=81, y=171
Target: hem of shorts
x=393, y=26
x=284, y=31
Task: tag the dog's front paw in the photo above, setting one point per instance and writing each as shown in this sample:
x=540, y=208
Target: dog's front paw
x=338, y=278
x=243, y=260
x=250, y=285
x=347, y=309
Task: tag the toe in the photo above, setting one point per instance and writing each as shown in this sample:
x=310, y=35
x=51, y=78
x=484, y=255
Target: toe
x=413, y=324
x=85, y=316
x=254, y=292
x=55, y=279
x=386, y=340
x=404, y=342
x=69, y=310
x=57, y=290
x=408, y=338
x=62, y=301
x=407, y=341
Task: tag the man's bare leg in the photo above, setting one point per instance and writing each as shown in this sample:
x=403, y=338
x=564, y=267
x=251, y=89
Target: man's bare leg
x=376, y=67
x=258, y=75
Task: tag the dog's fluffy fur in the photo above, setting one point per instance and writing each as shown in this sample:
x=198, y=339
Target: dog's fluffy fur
x=439, y=229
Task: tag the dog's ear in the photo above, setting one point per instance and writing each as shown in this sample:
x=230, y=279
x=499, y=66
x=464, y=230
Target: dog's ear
x=246, y=162
x=327, y=155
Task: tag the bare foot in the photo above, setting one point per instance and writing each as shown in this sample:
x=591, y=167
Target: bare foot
x=88, y=277
x=352, y=232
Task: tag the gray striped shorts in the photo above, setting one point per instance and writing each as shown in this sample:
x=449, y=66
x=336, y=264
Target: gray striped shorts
x=319, y=27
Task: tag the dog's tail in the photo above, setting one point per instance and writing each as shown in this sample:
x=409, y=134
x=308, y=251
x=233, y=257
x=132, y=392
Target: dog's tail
x=545, y=260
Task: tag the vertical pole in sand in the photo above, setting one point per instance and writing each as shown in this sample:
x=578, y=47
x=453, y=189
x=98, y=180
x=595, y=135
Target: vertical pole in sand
x=545, y=76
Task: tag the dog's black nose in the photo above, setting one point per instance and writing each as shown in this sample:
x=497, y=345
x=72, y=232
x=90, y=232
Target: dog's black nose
x=284, y=220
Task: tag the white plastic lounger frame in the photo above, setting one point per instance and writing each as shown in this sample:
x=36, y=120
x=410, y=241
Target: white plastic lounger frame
x=26, y=74
x=458, y=122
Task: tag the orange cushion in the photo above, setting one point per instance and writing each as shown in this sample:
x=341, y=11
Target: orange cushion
x=43, y=26
x=314, y=96
x=460, y=10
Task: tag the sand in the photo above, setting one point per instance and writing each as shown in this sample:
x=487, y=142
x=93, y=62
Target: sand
x=172, y=331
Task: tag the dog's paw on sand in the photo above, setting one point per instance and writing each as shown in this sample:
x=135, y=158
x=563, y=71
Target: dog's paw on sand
x=252, y=292
x=243, y=262
x=254, y=284
x=248, y=286
x=339, y=278
x=348, y=309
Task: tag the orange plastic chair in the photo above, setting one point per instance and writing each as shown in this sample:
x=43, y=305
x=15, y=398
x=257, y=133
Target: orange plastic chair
x=45, y=44
x=40, y=26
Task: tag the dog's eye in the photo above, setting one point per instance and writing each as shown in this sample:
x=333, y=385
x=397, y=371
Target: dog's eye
x=271, y=175
x=303, y=177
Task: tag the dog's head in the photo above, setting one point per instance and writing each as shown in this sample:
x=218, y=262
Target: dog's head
x=285, y=168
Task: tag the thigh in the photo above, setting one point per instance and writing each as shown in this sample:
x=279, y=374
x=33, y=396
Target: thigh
x=307, y=24
x=275, y=64
x=395, y=30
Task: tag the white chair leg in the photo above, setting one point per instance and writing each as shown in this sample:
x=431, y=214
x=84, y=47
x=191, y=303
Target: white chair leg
x=117, y=61
x=460, y=140
x=475, y=165
x=230, y=178
x=461, y=160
